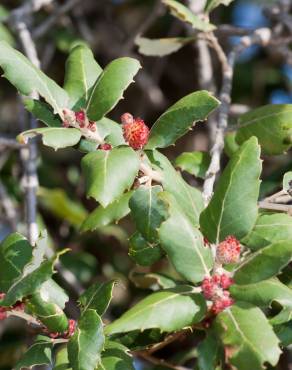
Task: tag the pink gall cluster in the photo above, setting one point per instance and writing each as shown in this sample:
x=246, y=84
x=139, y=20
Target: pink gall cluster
x=78, y=119
x=135, y=132
x=105, y=146
x=228, y=251
x=215, y=289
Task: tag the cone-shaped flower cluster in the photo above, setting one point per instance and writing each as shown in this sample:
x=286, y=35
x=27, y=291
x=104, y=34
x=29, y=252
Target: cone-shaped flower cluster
x=215, y=287
x=136, y=133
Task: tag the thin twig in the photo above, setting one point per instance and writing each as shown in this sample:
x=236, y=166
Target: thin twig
x=8, y=207
x=29, y=153
x=261, y=36
x=10, y=143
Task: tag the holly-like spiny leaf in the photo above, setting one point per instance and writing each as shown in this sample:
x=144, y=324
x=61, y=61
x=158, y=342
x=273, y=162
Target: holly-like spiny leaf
x=249, y=336
x=264, y=263
x=233, y=208
x=28, y=79
x=40, y=353
x=110, y=86
x=143, y=252
x=103, y=216
x=189, y=198
x=42, y=112
x=269, y=228
x=160, y=310
x=184, y=244
x=97, y=297
x=54, y=137
x=195, y=163
x=148, y=211
x=87, y=343
x=263, y=294
x=271, y=124
x=109, y=173
x=180, y=117
x=82, y=71
x=161, y=47
x=181, y=12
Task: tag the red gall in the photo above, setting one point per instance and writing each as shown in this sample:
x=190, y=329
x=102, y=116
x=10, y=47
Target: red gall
x=228, y=251
x=105, y=146
x=135, y=132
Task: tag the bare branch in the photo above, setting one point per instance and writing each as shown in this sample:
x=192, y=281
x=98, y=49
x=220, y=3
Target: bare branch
x=261, y=36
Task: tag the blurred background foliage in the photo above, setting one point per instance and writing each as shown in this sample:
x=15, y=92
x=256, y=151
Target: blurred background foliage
x=110, y=27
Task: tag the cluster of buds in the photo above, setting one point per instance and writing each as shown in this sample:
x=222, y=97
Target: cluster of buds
x=228, y=251
x=135, y=132
x=18, y=306
x=78, y=120
x=66, y=335
x=215, y=289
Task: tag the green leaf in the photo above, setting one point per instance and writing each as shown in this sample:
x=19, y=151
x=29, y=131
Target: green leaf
x=271, y=124
x=269, y=228
x=195, y=163
x=27, y=78
x=189, y=198
x=161, y=47
x=230, y=144
x=40, y=353
x=181, y=12
x=287, y=182
x=109, y=173
x=86, y=345
x=42, y=112
x=50, y=314
x=15, y=253
x=263, y=294
x=152, y=280
x=97, y=297
x=6, y=35
x=116, y=357
x=180, y=117
x=212, y=4
x=32, y=277
x=60, y=205
x=209, y=352
x=61, y=361
x=101, y=216
x=184, y=244
x=54, y=137
x=143, y=252
x=110, y=86
x=168, y=310
x=111, y=131
x=245, y=330
x=233, y=208
x=47, y=305
x=54, y=293
x=264, y=263
x=82, y=71
x=148, y=211
x=284, y=333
